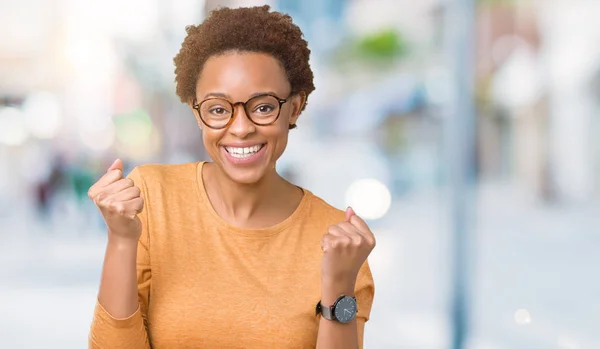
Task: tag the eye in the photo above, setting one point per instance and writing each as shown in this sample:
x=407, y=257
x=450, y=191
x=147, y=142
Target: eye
x=218, y=111
x=264, y=109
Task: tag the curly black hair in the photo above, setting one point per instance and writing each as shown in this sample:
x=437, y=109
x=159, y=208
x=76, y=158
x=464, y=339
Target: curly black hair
x=245, y=29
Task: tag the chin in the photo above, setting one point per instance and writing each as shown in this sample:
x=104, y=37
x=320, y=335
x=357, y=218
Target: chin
x=247, y=177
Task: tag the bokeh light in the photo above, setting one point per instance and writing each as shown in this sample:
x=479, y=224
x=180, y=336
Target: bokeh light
x=134, y=129
x=13, y=131
x=369, y=198
x=98, y=139
x=522, y=317
x=43, y=115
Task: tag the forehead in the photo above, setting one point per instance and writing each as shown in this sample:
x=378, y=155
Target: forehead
x=241, y=74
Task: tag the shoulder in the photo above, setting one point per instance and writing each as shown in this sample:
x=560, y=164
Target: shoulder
x=324, y=212
x=150, y=172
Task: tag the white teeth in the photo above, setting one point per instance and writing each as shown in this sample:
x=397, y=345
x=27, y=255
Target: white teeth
x=243, y=152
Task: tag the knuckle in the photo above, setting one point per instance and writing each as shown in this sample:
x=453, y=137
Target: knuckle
x=101, y=198
x=345, y=241
x=112, y=206
x=140, y=204
x=333, y=244
x=119, y=208
x=371, y=240
x=128, y=182
x=137, y=192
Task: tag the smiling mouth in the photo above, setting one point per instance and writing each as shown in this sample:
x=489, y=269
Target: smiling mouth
x=242, y=153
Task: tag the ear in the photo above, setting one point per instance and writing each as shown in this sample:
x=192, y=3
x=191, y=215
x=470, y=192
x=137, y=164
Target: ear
x=298, y=101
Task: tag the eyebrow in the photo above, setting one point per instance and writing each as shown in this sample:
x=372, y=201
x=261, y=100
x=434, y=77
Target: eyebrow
x=226, y=96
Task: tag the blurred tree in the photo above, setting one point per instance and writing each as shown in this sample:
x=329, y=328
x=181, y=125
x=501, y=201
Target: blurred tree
x=387, y=44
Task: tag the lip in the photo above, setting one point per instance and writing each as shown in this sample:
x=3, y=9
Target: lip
x=247, y=161
x=243, y=145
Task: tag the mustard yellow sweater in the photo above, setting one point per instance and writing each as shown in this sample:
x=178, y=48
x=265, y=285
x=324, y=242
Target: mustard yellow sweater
x=203, y=283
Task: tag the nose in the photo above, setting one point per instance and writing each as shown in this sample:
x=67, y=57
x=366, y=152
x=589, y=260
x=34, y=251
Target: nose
x=241, y=126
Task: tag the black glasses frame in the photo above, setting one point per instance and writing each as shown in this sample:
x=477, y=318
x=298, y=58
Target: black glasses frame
x=243, y=104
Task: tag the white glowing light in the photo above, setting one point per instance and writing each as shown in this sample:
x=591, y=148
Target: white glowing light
x=12, y=127
x=518, y=82
x=369, y=198
x=98, y=139
x=522, y=317
x=43, y=115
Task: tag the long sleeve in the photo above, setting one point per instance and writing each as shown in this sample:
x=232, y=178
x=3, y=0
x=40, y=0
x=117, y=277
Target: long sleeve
x=364, y=292
x=107, y=332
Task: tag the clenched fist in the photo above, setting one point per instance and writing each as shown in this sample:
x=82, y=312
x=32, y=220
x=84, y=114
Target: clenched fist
x=346, y=247
x=119, y=202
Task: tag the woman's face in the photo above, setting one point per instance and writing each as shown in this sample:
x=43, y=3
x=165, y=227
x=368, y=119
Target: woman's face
x=246, y=152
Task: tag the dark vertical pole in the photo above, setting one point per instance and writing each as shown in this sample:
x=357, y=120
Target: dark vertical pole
x=460, y=133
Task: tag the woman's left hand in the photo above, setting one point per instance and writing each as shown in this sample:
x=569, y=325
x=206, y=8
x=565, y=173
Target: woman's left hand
x=346, y=247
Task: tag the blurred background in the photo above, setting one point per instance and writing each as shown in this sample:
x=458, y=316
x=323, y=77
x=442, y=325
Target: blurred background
x=467, y=133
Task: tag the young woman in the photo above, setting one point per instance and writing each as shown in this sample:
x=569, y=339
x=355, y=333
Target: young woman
x=228, y=254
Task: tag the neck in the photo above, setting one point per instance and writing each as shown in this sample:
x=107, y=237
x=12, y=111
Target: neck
x=243, y=202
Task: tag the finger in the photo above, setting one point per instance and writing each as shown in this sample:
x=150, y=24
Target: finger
x=129, y=208
x=363, y=229
x=127, y=194
x=118, y=186
x=116, y=165
x=326, y=242
x=350, y=230
x=330, y=242
x=349, y=213
x=336, y=230
x=106, y=180
x=134, y=206
x=99, y=193
x=359, y=223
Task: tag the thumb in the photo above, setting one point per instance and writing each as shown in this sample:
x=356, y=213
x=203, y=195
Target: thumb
x=349, y=213
x=116, y=165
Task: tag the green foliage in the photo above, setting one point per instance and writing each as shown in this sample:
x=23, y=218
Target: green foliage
x=385, y=44
x=380, y=50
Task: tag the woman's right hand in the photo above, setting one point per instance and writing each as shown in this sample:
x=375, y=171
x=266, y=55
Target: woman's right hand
x=119, y=202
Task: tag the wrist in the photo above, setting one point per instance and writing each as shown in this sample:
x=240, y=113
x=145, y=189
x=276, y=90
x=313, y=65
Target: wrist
x=331, y=290
x=121, y=243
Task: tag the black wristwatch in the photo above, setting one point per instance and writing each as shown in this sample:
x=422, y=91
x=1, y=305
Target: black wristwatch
x=343, y=310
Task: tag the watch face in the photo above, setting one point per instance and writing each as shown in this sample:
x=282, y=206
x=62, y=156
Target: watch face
x=345, y=310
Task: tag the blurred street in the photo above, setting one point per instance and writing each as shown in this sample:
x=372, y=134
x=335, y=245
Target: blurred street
x=541, y=260
x=392, y=129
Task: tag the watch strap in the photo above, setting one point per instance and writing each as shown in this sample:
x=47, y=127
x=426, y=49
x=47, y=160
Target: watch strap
x=326, y=312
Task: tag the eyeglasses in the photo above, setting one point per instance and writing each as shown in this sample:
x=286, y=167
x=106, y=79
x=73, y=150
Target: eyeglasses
x=218, y=113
